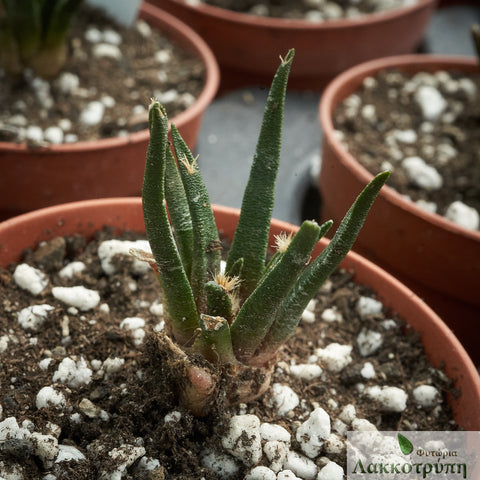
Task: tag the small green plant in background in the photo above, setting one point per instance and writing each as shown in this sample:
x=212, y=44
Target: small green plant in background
x=33, y=34
x=239, y=317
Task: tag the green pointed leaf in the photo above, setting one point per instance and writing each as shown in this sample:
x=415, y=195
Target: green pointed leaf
x=405, y=444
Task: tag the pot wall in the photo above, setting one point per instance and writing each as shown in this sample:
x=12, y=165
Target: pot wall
x=34, y=178
x=437, y=258
x=87, y=217
x=248, y=46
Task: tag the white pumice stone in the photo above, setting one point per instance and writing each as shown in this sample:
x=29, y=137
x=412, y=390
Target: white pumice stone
x=272, y=432
x=222, y=464
x=367, y=371
x=53, y=135
x=34, y=133
x=93, y=35
x=331, y=471
x=107, y=50
x=468, y=86
x=367, y=306
x=111, y=36
x=109, y=248
x=421, y=174
x=80, y=297
x=428, y=206
x=48, y=396
x=68, y=453
x=369, y=342
x=45, y=447
x=108, y=101
x=73, y=373
x=72, y=268
x=427, y=396
x=312, y=433
x=125, y=456
x=463, y=215
x=163, y=56
x=287, y=475
x=30, y=278
x=261, y=473
x=301, y=466
x=308, y=316
x=284, y=398
x=172, y=417
x=314, y=16
x=157, y=309
x=334, y=444
x=113, y=365
x=406, y=136
x=93, y=113
x=44, y=363
x=331, y=315
x=68, y=82
x=243, y=439
x=9, y=428
x=276, y=452
x=340, y=427
x=392, y=399
x=430, y=101
x=143, y=28
x=363, y=425
x=34, y=317
x=335, y=357
x=306, y=371
x=4, y=339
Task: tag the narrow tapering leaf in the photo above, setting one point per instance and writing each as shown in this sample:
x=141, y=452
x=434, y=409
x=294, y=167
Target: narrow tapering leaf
x=257, y=314
x=179, y=212
x=251, y=237
x=219, y=303
x=206, y=243
x=322, y=267
x=214, y=342
x=177, y=294
x=475, y=31
x=57, y=17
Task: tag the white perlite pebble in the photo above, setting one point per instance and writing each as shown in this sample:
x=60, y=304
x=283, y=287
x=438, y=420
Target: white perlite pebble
x=68, y=82
x=406, y=136
x=34, y=317
x=261, y=473
x=73, y=373
x=223, y=465
x=276, y=452
x=135, y=325
x=124, y=457
x=48, y=396
x=430, y=101
x=79, y=297
x=308, y=316
x=427, y=396
x=312, y=433
x=331, y=471
x=30, y=278
x=92, y=114
x=392, y=399
x=331, y=315
x=243, y=439
x=463, y=215
x=108, y=249
x=369, y=342
x=306, y=371
x=335, y=357
x=287, y=475
x=301, y=466
x=421, y=174
x=45, y=447
x=9, y=428
x=284, y=398
x=53, y=135
x=69, y=270
x=348, y=414
x=67, y=453
x=367, y=306
x=272, y=432
x=368, y=371
x=113, y=365
x=107, y=50
x=34, y=133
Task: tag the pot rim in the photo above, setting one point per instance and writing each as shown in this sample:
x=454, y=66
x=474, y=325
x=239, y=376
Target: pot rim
x=354, y=75
x=197, y=46
x=257, y=21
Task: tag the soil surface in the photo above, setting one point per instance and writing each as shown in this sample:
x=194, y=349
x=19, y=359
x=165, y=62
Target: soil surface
x=127, y=404
x=383, y=124
x=117, y=67
x=313, y=10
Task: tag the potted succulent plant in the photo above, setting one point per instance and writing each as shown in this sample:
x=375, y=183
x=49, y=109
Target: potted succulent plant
x=42, y=169
x=101, y=398
x=235, y=32
x=435, y=256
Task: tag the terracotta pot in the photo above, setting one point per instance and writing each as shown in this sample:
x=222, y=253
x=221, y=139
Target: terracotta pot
x=441, y=346
x=247, y=47
x=34, y=178
x=437, y=258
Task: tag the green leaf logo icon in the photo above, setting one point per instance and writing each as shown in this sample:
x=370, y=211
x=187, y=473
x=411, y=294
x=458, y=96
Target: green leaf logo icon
x=405, y=445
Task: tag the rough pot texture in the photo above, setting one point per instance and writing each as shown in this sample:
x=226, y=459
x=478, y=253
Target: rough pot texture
x=441, y=346
x=322, y=49
x=37, y=177
x=438, y=259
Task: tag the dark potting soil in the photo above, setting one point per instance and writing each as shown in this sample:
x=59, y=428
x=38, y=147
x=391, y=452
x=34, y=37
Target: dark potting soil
x=150, y=65
x=307, y=9
x=128, y=405
x=382, y=124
